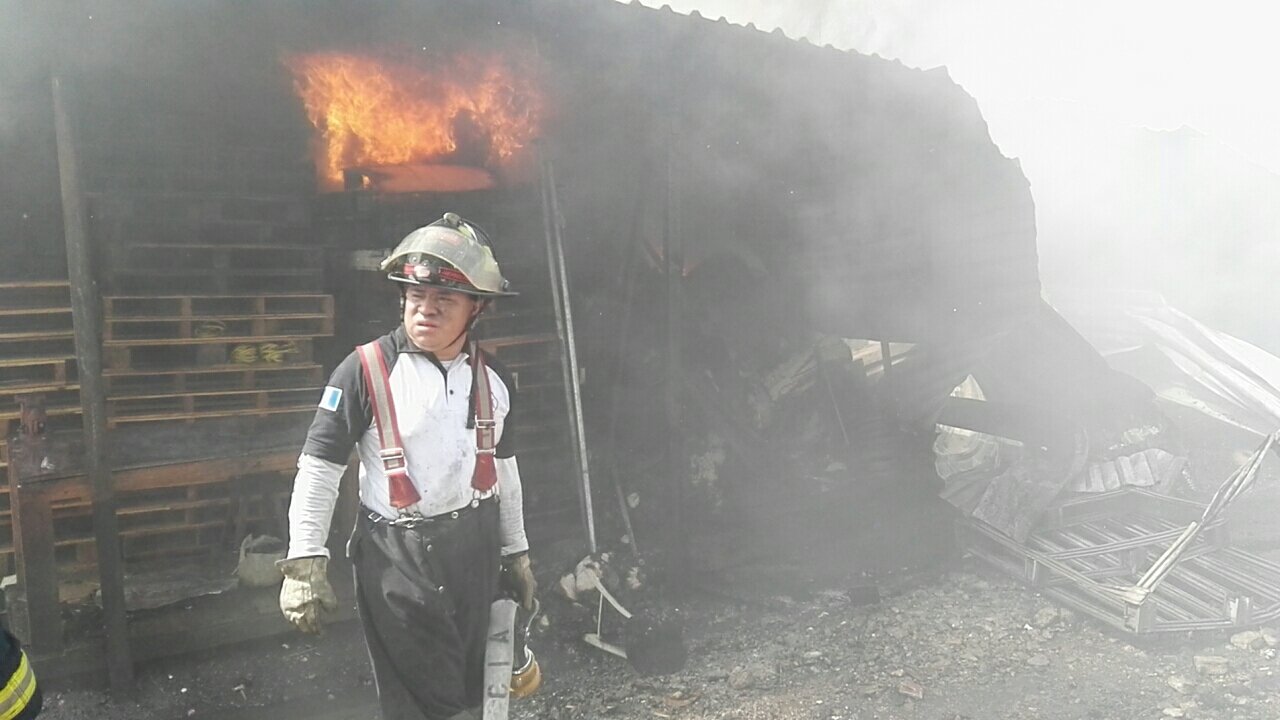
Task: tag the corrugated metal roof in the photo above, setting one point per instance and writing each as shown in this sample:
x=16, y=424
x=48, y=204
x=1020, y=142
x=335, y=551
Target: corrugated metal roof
x=872, y=188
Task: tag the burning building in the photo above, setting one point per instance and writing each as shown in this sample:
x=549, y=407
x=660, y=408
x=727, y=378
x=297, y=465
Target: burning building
x=734, y=218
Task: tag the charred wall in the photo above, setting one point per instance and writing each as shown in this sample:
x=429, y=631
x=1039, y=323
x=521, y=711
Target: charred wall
x=812, y=194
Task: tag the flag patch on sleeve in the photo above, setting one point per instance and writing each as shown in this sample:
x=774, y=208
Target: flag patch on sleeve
x=331, y=397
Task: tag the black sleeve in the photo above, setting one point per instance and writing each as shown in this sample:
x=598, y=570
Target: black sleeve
x=344, y=414
x=507, y=445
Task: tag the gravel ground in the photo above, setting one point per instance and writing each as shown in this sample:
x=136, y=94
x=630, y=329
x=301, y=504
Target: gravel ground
x=941, y=645
x=786, y=638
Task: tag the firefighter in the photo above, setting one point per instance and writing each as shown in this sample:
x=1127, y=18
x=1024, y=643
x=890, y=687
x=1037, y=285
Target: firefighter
x=440, y=530
x=20, y=697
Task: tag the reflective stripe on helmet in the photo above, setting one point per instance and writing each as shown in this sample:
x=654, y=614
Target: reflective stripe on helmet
x=435, y=273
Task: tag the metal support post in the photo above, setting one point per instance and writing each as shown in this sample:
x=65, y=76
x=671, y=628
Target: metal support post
x=553, y=225
x=86, y=315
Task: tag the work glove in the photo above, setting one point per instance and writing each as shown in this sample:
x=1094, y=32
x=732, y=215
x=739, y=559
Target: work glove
x=518, y=574
x=306, y=592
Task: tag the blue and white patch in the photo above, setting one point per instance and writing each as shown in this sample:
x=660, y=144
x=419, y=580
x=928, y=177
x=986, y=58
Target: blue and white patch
x=331, y=399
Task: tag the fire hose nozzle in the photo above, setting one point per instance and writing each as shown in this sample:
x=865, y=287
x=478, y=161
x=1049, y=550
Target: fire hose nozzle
x=526, y=680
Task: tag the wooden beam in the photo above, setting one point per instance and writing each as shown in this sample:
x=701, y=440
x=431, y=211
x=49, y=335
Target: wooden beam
x=74, y=488
x=86, y=316
x=39, y=617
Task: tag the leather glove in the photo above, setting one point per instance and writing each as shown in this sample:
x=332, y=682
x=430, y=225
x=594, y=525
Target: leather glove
x=519, y=574
x=306, y=592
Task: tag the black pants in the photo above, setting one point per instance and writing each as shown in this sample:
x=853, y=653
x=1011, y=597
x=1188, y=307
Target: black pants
x=423, y=595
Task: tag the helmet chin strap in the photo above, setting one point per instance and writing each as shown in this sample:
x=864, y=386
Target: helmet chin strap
x=481, y=304
x=471, y=322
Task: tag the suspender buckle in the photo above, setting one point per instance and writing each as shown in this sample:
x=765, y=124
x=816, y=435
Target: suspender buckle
x=483, y=424
x=392, y=459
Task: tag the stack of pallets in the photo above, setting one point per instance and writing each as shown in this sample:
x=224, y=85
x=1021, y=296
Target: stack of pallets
x=211, y=311
x=181, y=517
x=211, y=308
x=533, y=360
x=37, y=346
x=189, y=357
x=37, y=356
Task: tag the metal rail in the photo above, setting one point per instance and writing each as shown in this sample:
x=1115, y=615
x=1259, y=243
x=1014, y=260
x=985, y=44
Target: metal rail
x=553, y=226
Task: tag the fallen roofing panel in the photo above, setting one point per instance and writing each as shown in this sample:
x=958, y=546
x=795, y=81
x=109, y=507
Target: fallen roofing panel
x=1143, y=562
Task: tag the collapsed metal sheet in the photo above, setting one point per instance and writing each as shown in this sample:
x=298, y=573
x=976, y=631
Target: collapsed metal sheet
x=1142, y=562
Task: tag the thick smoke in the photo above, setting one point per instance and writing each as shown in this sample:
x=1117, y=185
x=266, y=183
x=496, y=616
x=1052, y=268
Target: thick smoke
x=1148, y=146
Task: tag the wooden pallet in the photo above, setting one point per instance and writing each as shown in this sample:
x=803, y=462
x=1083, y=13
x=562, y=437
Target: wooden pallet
x=159, y=244
x=35, y=318
x=158, y=356
x=193, y=521
x=33, y=284
x=229, y=255
x=542, y=435
x=36, y=299
x=37, y=349
x=163, y=509
x=190, y=406
x=514, y=323
x=36, y=335
x=33, y=309
x=161, y=307
x=17, y=387
x=215, y=281
x=183, y=358
x=308, y=408
x=59, y=403
x=123, y=383
x=36, y=356
x=200, y=208
x=53, y=361
x=54, y=375
x=509, y=341
x=151, y=332
x=121, y=332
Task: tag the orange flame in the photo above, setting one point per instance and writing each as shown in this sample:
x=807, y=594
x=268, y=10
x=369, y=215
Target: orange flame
x=370, y=112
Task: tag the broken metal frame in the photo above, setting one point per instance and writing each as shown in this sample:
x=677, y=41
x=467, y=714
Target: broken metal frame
x=595, y=639
x=1143, y=562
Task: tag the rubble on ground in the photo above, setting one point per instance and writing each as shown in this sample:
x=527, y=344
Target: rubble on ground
x=963, y=644
x=937, y=646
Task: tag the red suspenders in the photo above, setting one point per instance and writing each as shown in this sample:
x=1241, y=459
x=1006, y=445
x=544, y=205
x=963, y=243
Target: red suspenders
x=485, y=474
x=378, y=380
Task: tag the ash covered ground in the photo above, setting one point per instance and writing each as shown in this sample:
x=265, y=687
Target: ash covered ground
x=936, y=644
x=837, y=611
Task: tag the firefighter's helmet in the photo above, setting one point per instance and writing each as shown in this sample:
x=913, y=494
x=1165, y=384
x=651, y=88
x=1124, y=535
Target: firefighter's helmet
x=451, y=253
